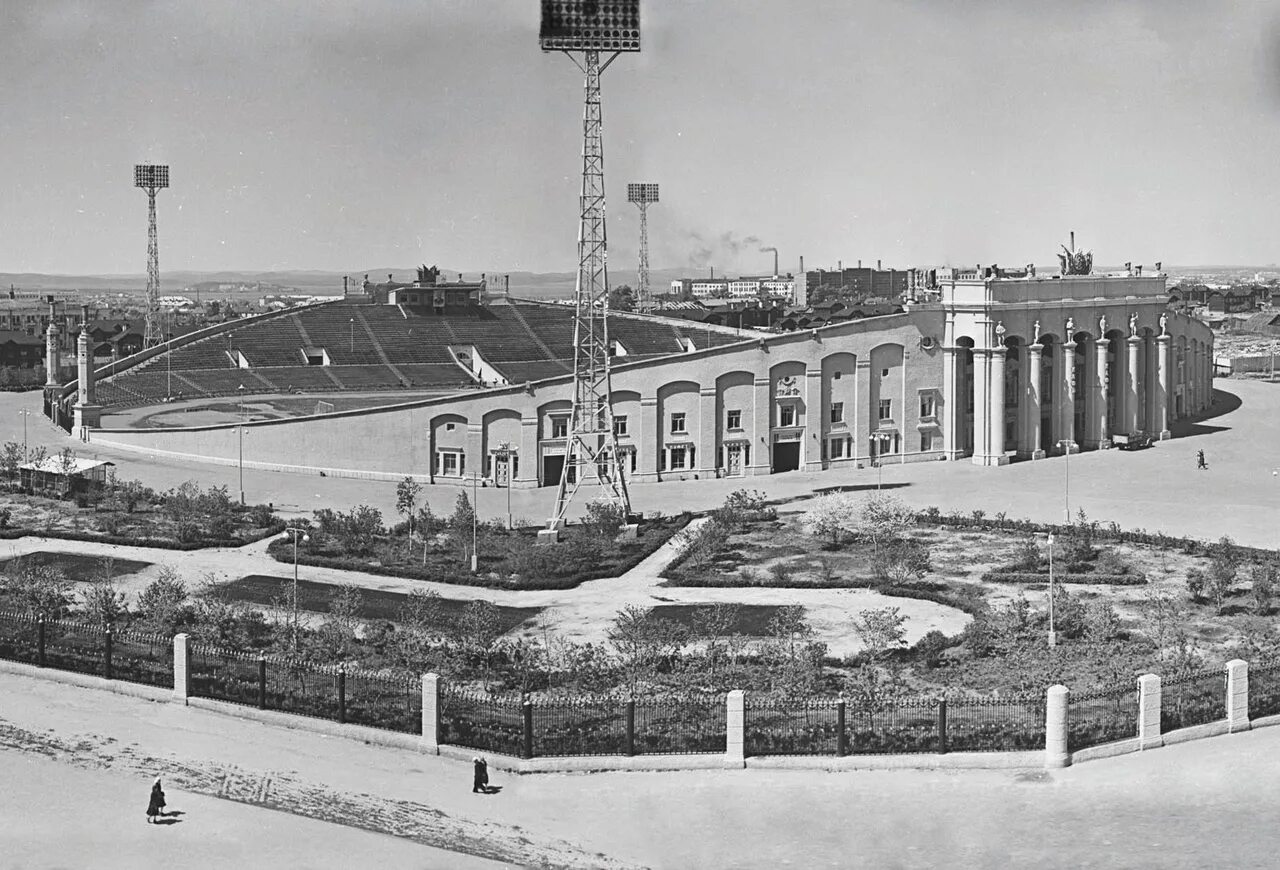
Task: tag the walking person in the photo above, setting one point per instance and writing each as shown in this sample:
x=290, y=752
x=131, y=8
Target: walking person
x=1200, y=463
x=481, y=782
x=156, y=806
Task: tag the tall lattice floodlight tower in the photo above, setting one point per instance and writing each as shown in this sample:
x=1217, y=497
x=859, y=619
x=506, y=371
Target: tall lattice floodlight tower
x=583, y=30
x=643, y=195
x=152, y=179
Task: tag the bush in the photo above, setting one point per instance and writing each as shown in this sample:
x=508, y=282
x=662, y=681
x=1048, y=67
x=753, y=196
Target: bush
x=261, y=515
x=1100, y=579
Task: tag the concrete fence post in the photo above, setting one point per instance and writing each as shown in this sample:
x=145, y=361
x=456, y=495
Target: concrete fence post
x=735, y=743
x=1237, y=695
x=431, y=713
x=1056, y=753
x=1149, y=712
x=181, y=668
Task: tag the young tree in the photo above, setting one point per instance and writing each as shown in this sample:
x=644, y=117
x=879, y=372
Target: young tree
x=407, y=493
x=1222, y=572
x=885, y=518
x=1196, y=582
x=66, y=468
x=359, y=528
x=104, y=603
x=162, y=604
x=622, y=298
x=479, y=626
x=832, y=516
x=902, y=562
x=10, y=459
x=335, y=640
x=881, y=631
x=604, y=518
x=40, y=590
x=420, y=622
x=641, y=641
x=788, y=625
x=1101, y=622
x=461, y=527
x=714, y=623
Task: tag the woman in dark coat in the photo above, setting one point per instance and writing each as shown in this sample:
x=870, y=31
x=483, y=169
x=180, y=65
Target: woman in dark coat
x=156, y=806
x=481, y=781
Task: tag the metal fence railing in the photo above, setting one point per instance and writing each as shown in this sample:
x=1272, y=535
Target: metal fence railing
x=1095, y=718
x=684, y=725
x=1264, y=691
x=804, y=726
x=393, y=703
x=1193, y=699
x=581, y=726
x=225, y=675
x=995, y=724
x=493, y=723
x=907, y=725
x=135, y=657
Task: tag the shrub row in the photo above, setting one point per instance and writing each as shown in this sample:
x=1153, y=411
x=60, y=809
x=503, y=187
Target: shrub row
x=1099, y=579
x=969, y=604
x=154, y=543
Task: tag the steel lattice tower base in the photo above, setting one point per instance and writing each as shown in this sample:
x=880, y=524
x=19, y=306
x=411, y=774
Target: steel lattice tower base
x=591, y=451
x=643, y=300
x=151, y=334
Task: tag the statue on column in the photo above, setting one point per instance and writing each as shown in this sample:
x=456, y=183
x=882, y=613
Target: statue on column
x=1000, y=331
x=1102, y=326
x=1035, y=332
x=1071, y=329
x=1133, y=323
x=1164, y=324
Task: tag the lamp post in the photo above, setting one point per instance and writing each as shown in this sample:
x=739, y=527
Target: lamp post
x=353, y=335
x=1053, y=635
x=878, y=441
x=295, y=534
x=1066, y=444
x=240, y=430
x=475, y=517
x=25, y=412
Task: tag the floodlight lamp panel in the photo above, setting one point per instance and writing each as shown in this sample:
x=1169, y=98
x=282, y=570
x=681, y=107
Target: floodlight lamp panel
x=149, y=175
x=590, y=25
x=642, y=193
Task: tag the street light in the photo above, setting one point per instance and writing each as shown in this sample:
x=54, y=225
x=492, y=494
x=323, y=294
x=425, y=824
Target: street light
x=295, y=533
x=475, y=517
x=1066, y=444
x=353, y=335
x=1053, y=635
x=240, y=429
x=878, y=442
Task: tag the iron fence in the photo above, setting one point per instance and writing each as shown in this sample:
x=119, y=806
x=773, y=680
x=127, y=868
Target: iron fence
x=225, y=675
x=1094, y=718
x=804, y=726
x=995, y=724
x=680, y=726
x=20, y=638
x=885, y=726
x=1193, y=699
x=140, y=657
x=77, y=647
x=493, y=723
x=293, y=686
x=1264, y=691
x=581, y=726
x=390, y=703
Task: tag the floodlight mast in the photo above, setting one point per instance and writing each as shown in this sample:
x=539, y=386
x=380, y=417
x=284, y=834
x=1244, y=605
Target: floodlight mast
x=152, y=178
x=587, y=28
x=643, y=195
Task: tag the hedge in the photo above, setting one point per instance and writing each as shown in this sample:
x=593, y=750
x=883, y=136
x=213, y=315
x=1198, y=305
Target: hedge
x=256, y=534
x=1099, y=579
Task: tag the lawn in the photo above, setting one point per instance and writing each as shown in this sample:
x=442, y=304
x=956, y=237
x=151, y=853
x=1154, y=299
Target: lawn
x=79, y=567
x=751, y=620
x=376, y=604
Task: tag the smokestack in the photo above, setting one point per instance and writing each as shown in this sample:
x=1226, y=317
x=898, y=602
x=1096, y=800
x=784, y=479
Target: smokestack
x=344, y=285
x=839, y=265
x=878, y=266
x=802, y=264
x=84, y=315
x=506, y=285
x=1073, y=240
x=713, y=273
x=859, y=263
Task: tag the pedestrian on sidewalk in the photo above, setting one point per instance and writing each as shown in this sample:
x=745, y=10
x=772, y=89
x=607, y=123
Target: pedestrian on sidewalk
x=481, y=782
x=1200, y=463
x=156, y=806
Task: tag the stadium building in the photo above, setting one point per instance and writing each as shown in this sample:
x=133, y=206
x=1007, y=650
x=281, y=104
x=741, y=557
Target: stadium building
x=1004, y=366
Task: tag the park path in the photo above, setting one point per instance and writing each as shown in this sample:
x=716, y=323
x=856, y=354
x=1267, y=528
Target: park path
x=581, y=614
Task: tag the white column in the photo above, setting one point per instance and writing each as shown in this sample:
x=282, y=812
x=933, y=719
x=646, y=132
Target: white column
x=995, y=419
x=181, y=668
x=761, y=431
x=1101, y=387
x=1160, y=427
x=1035, y=353
x=707, y=458
x=1149, y=712
x=1133, y=398
x=1238, y=695
x=981, y=405
x=1055, y=728
x=735, y=748
x=431, y=713
x=952, y=403
x=1067, y=393
x=815, y=417
x=647, y=441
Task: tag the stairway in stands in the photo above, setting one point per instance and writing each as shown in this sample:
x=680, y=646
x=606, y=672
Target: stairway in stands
x=377, y=347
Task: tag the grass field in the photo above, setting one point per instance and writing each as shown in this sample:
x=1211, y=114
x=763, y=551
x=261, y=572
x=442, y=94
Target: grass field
x=752, y=619
x=314, y=597
x=80, y=567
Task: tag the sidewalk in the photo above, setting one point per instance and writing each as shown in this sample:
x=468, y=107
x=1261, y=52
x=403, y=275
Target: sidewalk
x=1201, y=804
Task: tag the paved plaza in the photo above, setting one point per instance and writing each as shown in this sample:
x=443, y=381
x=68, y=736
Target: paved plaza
x=1158, y=488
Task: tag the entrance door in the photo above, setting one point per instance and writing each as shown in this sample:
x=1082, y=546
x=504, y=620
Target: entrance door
x=501, y=471
x=733, y=460
x=552, y=468
x=786, y=456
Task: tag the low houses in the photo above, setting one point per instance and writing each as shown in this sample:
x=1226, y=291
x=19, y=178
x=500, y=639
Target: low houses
x=64, y=476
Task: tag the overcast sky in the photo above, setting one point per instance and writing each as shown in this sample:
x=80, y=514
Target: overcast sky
x=352, y=135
